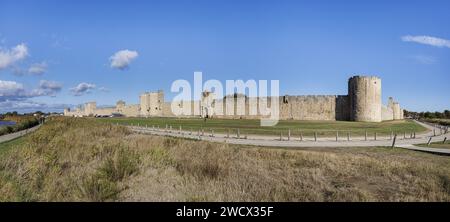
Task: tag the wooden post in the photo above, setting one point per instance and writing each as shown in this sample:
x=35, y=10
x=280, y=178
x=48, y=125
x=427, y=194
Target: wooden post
x=301, y=136
x=246, y=135
x=228, y=133
x=429, y=141
x=434, y=131
x=281, y=136
x=393, y=141
x=289, y=134
x=445, y=139
x=348, y=136
x=337, y=136
x=365, y=136
x=414, y=134
x=315, y=136
x=375, y=136
x=212, y=133
x=238, y=134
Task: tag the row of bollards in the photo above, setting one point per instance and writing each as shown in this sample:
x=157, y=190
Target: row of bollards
x=201, y=132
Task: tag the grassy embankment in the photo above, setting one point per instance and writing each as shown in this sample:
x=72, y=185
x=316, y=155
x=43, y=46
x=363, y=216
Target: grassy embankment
x=22, y=122
x=85, y=160
x=307, y=128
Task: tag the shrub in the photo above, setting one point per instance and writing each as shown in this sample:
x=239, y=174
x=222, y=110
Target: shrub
x=122, y=164
x=98, y=189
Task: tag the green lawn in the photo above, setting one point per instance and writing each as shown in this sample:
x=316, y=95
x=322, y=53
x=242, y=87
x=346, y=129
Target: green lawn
x=307, y=128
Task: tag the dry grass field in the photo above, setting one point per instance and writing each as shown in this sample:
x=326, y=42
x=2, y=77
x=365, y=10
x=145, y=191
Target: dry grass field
x=86, y=160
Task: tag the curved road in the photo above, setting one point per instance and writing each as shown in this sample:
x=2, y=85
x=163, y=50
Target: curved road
x=15, y=135
x=271, y=141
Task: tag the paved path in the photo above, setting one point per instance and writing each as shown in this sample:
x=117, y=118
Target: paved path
x=15, y=135
x=271, y=141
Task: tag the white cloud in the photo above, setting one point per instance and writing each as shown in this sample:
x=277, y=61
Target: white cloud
x=47, y=88
x=14, y=91
x=427, y=40
x=27, y=106
x=11, y=89
x=38, y=68
x=427, y=60
x=11, y=56
x=82, y=89
x=15, y=97
x=122, y=59
x=103, y=89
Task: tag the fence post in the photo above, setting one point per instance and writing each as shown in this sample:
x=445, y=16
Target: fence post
x=365, y=136
x=228, y=133
x=315, y=136
x=212, y=133
x=238, y=134
x=348, y=136
x=289, y=134
x=375, y=136
x=337, y=136
x=414, y=134
x=281, y=136
x=434, y=131
x=393, y=141
x=301, y=136
x=429, y=141
x=445, y=139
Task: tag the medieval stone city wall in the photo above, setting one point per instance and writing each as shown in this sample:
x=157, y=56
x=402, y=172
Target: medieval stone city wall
x=363, y=103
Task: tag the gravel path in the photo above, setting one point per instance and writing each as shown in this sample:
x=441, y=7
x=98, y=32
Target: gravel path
x=259, y=140
x=15, y=135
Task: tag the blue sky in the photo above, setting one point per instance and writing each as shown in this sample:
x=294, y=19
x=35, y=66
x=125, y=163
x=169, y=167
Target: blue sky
x=58, y=53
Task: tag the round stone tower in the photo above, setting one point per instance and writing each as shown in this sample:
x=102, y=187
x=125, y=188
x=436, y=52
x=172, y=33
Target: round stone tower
x=365, y=98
